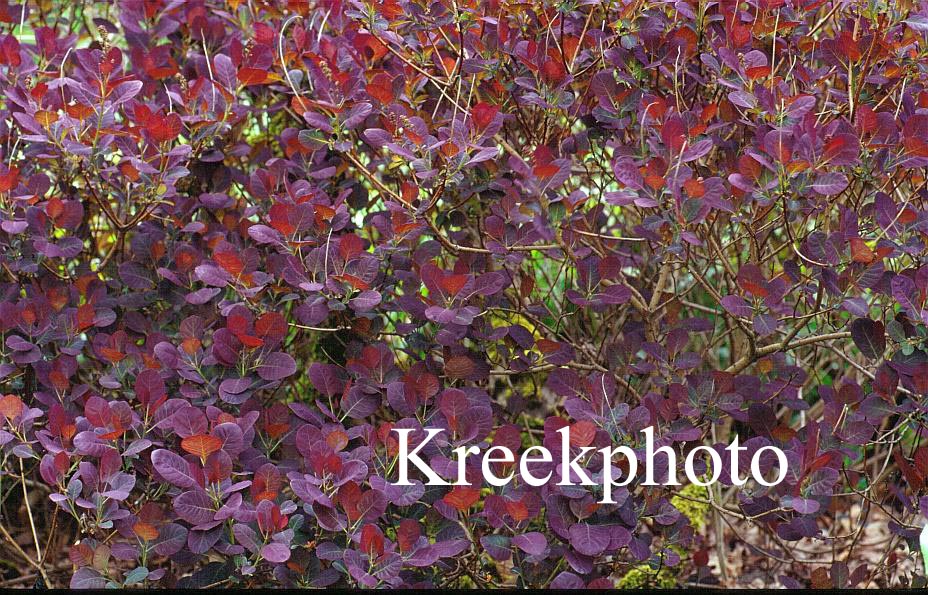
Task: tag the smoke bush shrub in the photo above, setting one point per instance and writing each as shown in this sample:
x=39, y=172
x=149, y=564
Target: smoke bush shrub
x=242, y=241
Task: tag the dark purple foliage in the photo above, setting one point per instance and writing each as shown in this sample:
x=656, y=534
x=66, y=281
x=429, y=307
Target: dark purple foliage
x=243, y=241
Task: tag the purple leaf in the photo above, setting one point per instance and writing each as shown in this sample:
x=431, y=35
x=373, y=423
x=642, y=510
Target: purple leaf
x=14, y=227
x=358, y=404
x=235, y=390
x=589, y=540
x=451, y=547
x=149, y=386
x=87, y=578
x=265, y=235
x=764, y=325
x=803, y=505
x=742, y=99
x=325, y=377
x=135, y=276
x=365, y=301
x=736, y=306
x=904, y=292
x=533, y=543
x=201, y=296
x=497, y=546
x=201, y=542
x=567, y=580
x=246, y=536
x=277, y=366
x=869, y=336
x=276, y=553
x=171, y=539
x=173, y=468
x=627, y=172
x=194, y=506
x=121, y=485
x=829, y=183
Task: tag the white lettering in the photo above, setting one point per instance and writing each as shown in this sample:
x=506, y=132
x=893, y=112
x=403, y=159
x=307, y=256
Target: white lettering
x=608, y=484
x=405, y=457
x=568, y=465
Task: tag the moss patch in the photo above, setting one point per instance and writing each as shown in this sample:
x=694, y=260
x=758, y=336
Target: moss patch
x=644, y=577
x=696, y=512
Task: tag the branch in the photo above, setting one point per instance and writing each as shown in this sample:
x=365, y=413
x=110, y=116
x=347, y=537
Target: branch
x=784, y=345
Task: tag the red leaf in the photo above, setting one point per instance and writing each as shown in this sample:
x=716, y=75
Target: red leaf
x=462, y=497
x=372, y=540
x=452, y=284
x=921, y=460
x=553, y=71
x=459, y=367
x=271, y=325
x=11, y=406
x=483, y=114
x=582, y=433
x=280, y=218
x=449, y=150
x=407, y=534
x=250, y=341
x=46, y=118
x=145, y=531
x=908, y=215
x=369, y=46
x=238, y=323
x=848, y=46
x=85, y=316
x=754, y=288
x=230, y=261
x=9, y=51
x=547, y=346
x=129, y=171
x=337, y=440
x=751, y=279
x=201, y=445
x=835, y=145
x=252, y=76
x=159, y=72
x=347, y=497
x=164, y=128
x=9, y=178
x=673, y=133
x=860, y=252
x=517, y=510
x=912, y=476
x=756, y=72
x=355, y=282
x=111, y=60
x=694, y=188
x=423, y=384
x=701, y=557
x=381, y=88
x=350, y=246
x=546, y=171
x=54, y=207
x=740, y=34
x=265, y=483
x=409, y=192
x=390, y=8
x=866, y=119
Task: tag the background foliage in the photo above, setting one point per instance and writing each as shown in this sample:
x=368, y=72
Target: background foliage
x=241, y=241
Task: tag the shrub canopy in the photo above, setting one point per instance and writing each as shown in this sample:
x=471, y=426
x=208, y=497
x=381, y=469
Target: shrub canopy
x=242, y=241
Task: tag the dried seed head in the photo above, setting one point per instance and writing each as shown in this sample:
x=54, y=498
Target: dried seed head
x=104, y=37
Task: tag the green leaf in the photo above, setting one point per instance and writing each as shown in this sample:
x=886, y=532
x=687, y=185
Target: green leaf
x=136, y=576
